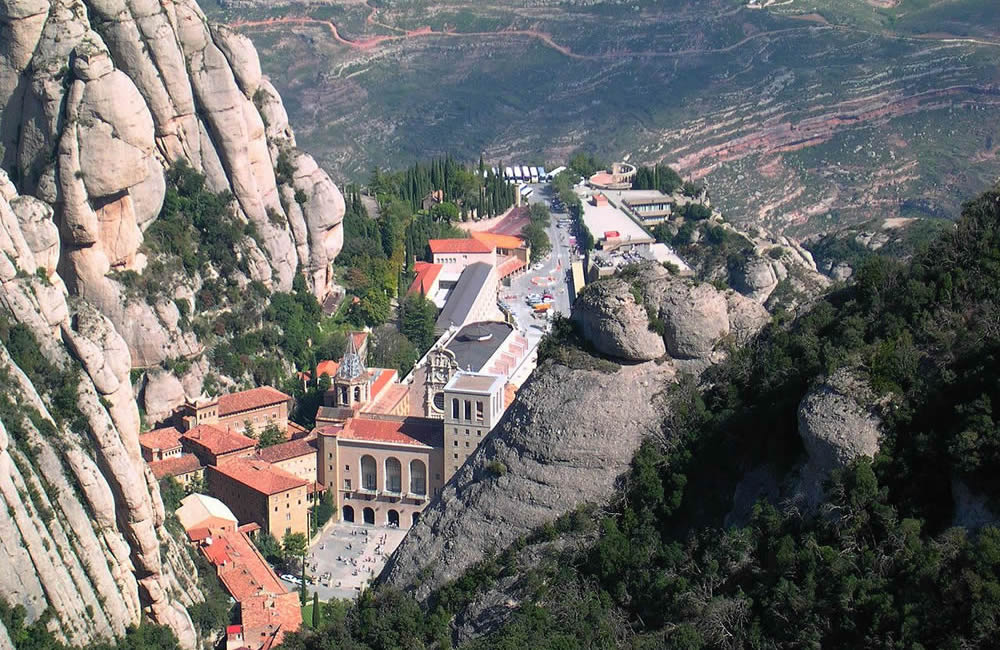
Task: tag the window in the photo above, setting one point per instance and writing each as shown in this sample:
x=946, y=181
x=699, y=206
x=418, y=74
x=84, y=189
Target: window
x=288, y=531
x=369, y=475
x=347, y=484
x=331, y=468
x=288, y=516
x=468, y=410
x=347, y=468
x=466, y=432
x=456, y=455
x=479, y=410
x=456, y=442
x=454, y=408
x=276, y=508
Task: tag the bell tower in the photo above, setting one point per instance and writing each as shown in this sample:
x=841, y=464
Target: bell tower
x=351, y=384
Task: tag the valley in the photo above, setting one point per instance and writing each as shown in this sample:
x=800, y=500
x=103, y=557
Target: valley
x=724, y=92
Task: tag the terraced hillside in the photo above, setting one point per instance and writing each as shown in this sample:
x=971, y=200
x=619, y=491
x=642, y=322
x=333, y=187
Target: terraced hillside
x=800, y=115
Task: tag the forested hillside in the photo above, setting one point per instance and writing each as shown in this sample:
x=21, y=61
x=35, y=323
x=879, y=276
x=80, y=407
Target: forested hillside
x=899, y=549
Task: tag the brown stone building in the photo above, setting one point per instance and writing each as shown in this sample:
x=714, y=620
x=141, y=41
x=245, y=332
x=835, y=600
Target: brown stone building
x=257, y=491
x=383, y=469
x=213, y=445
x=257, y=407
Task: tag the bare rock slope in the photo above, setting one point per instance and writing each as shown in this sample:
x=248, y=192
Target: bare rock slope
x=572, y=432
x=99, y=98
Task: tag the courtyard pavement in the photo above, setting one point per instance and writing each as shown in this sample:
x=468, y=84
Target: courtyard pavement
x=346, y=557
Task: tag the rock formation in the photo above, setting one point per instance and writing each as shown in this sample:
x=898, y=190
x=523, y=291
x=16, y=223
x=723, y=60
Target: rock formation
x=564, y=442
x=618, y=326
x=837, y=424
x=100, y=97
x=82, y=508
x=572, y=432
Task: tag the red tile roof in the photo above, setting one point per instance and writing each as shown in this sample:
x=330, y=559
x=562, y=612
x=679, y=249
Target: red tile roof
x=387, y=402
x=163, y=439
x=328, y=368
x=266, y=619
x=242, y=569
x=175, y=466
x=467, y=245
x=509, y=265
x=285, y=451
x=494, y=240
x=427, y=273
x=260, y=476
x=385, y=378
x=424, y=432
x=248, y=400
x=217, y=441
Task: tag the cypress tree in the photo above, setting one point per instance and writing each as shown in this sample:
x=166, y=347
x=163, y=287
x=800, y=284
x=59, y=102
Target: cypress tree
x=317, y=616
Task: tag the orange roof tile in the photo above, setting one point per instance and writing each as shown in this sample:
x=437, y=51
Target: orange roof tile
x=389, y=400
x=162, y=439
x=468, y=245
x=242, y=569
x=260, y=476
x=384, y=378
x=266, y=619
x=493, y=240
x=175, y=466
x=285, y=451
x=328, y=368
x=509, y=265
x=424, y=432
x=247, y=400
x=427, y=273
x=217, y=441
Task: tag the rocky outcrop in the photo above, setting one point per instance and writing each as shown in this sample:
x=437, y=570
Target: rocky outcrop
x=695, y=317
x=564, y=442
x=81, y=508
x=99, y=97
x=837, y=424
x=608, y=315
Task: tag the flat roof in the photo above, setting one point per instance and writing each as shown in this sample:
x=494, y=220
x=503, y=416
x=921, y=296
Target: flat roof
x=474, y=344
x=470, y=382
x=463, y=296
x=607, y=218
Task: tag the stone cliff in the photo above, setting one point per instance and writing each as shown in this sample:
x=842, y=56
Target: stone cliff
x=99, y=99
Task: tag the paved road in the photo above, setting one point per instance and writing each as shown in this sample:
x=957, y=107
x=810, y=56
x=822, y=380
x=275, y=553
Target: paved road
x=552, y=277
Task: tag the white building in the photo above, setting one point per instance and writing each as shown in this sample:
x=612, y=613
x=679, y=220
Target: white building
x=474, y=403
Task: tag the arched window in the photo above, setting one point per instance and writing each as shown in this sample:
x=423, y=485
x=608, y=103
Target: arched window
x=369, y=516
x=369, y=473
x=393, y=475
x=357, y=393
x=348, y=514
x=392, y=518
x=439, y=401
x=418, y=477
x=343, y=395
x=454, y=408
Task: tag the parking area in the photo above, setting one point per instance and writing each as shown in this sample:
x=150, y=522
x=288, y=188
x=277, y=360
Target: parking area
x=346, y=557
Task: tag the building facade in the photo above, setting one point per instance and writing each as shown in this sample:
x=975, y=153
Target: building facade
x=383, y=469
x=474, y=404
x=258, y=407
x=256, y=491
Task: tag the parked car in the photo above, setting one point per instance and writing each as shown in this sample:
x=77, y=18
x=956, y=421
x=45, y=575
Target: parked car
x=288, y=577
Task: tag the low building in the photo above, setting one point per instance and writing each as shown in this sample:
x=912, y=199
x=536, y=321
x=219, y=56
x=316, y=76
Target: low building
x=618, y=177
x=384, y=469
x=257, y=407
x=456, y=254
x=199, y=514
x=513, y=254
x=187, y=469
x=474, y=298
x=650, y=210
x=259, y=492
x=474, y=403
x=159, y=444
x=426, y=281
x=214, y=446
x=297, y=457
